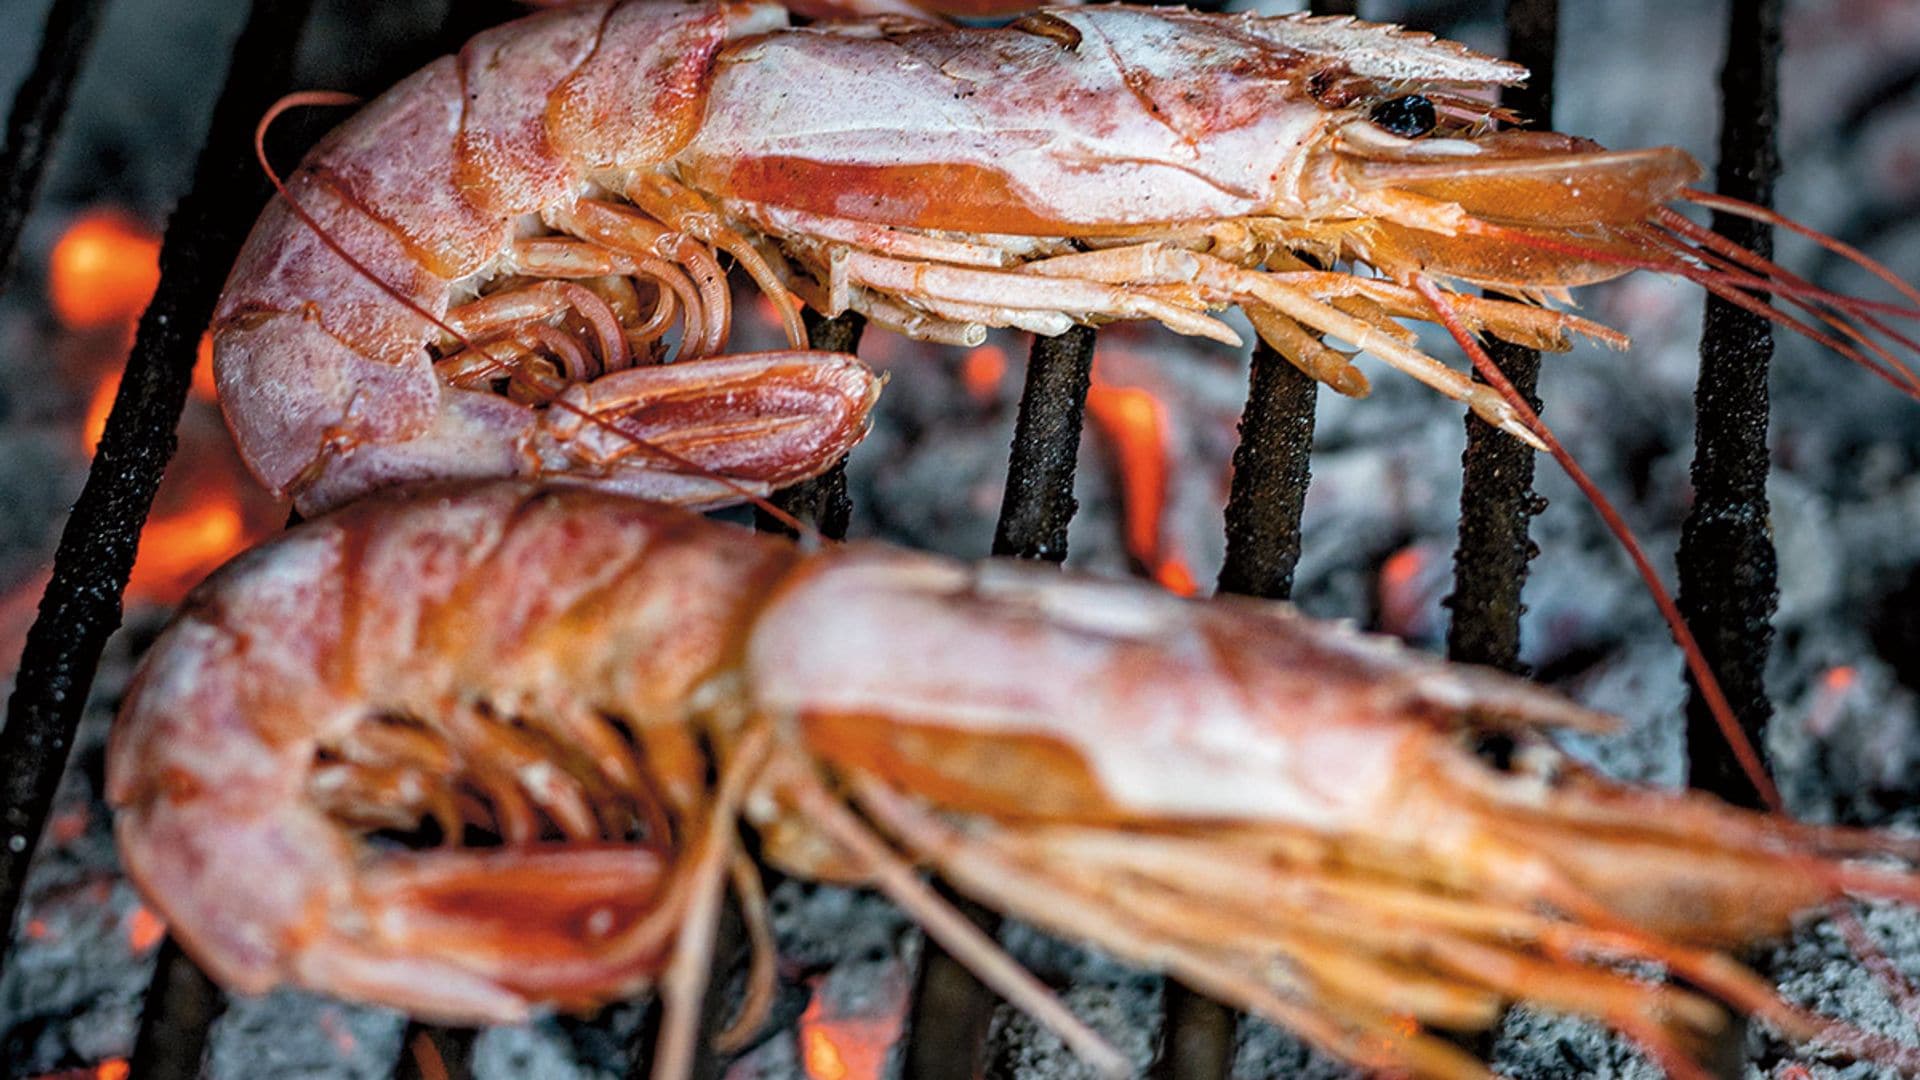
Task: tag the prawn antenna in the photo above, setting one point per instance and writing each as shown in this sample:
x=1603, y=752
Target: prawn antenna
x=1710, y=690
x=333, y=99
x=1671, y=244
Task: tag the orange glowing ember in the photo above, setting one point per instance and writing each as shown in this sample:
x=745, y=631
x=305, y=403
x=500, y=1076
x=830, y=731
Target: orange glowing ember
x=822, y=1055
x=1402, y=568
x=1401, y=599
x=1175, y=576
x=1830, y=701
x=1134, y=422
x=203, y=387
x=145, y=929
x=96, y=423
x=103, y=270
x=850, y=1048
x=112, y=1069
x=982, y=371
x=835, y=1047
x=177, y=551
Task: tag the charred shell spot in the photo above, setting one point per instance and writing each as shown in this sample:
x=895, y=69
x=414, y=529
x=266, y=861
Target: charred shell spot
x=1050, y=26
x=1408, y=116
x=1336, y=86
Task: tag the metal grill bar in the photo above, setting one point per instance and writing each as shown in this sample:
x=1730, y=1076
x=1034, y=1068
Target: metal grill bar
x=1728, y=586
x=823, y=504
x=1268, y=494
x=180, y=1008
x=81, y=607
x=38, y=110
x=1496, y=487
x=1270, y=474
x=1264, y=504
x=1039, y=501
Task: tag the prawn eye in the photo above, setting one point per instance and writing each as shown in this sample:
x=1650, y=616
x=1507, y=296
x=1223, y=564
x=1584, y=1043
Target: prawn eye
x=1409, y=116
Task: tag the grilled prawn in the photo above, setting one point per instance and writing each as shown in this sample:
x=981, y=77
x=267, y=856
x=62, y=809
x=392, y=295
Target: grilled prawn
x=530, y=690
x=530, y=219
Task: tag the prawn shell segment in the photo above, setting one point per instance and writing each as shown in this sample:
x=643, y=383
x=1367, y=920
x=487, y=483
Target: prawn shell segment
x=1145, y=119
x=596, y=119
x=1097, y=116
x=1161, y=708
x=505, y=598
x=319, y=354
x=323, y=360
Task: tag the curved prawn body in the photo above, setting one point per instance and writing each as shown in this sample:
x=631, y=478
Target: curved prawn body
x=451, y=753
x=530, y=220
x=500, y=315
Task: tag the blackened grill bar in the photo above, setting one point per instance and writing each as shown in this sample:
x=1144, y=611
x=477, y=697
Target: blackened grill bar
x=1496, y=487
x=176, y=1018
x=82, y=605
x=98, y=545
x=33, y=125
x=1728, y=579
x=1265, y=500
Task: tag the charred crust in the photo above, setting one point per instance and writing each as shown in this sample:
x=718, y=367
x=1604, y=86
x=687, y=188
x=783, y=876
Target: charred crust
x=1050, y=26
x=1335, y=86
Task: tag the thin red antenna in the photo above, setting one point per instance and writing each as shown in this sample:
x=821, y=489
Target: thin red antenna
x=328, y=98
x=1719, y=252
x=1710, y=690
x=1728, y=285
x=1717, y=277
x=1716, y=699
x=1741, y=208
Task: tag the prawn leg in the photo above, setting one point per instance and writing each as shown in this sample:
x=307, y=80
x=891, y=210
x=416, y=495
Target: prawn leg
x=450, y=930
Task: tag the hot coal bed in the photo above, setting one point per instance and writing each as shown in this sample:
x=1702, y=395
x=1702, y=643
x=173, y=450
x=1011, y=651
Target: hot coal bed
x=1379, y=535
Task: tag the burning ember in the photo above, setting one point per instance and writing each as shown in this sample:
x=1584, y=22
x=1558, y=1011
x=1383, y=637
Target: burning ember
x=982, y=371
x=101, y=276
x=110, y=1069
x=103, y=270
x=145, y=929
x=837, y=1045
x=1134, y=422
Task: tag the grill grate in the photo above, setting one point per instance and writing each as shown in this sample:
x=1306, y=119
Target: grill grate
x=1728, y=580
x=38, y=110
x=1496, y=490
x=82, y=603
x=1727, y=564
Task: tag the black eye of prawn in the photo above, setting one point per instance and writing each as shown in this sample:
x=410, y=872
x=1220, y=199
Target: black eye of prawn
x=1409, y=116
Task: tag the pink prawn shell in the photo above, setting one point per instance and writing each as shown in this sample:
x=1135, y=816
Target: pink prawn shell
x=1180, y=709
x=423, y=186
